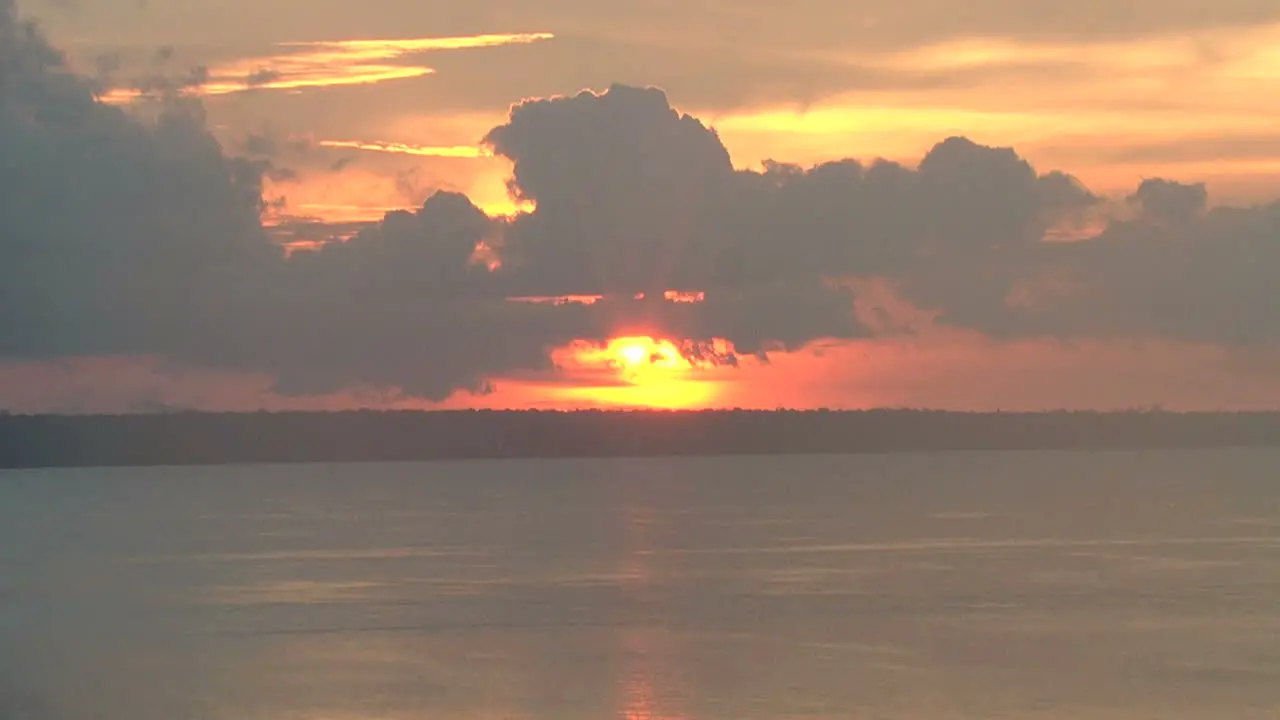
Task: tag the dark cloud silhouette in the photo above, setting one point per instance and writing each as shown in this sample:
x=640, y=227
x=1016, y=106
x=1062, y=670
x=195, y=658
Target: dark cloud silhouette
x=115, y=233
x=408, y=257
x=634, y=197
x=262, y=77
x=1170, y=202
x=1176, y=271
x=596, y=227
x=260, y=144
x=143, y=237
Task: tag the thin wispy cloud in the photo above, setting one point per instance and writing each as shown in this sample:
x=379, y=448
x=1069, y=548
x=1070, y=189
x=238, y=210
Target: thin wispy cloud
x=302, y=65
x=447, y=151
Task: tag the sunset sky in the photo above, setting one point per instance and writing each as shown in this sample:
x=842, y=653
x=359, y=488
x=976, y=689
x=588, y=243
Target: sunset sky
x=1015, y=204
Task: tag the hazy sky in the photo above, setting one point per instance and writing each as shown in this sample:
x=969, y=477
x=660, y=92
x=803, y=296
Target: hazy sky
x=1043, y=204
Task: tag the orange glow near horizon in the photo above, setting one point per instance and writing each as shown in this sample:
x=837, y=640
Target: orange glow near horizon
x=642, y=372
x=639, y=358
x=938, y=368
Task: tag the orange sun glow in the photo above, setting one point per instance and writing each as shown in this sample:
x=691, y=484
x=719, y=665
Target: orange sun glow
x=644, y=356
x=647, y=372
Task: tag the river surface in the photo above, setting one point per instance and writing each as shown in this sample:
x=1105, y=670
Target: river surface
x=1134, y=585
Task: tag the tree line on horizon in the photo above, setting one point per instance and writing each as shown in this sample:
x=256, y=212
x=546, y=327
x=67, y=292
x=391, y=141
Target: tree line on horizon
x=184, y=438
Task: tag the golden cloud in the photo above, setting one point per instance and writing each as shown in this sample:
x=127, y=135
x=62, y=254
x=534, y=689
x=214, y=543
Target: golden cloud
x=395, y=148
x=302, y=65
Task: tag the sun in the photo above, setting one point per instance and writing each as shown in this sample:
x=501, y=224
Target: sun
x=633, y=355
x=650, y=372
x=637, y=356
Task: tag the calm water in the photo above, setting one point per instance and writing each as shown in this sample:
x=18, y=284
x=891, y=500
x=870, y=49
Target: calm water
x=1020, y=585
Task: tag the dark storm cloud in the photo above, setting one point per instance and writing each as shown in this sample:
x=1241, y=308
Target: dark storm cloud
x=124, y=236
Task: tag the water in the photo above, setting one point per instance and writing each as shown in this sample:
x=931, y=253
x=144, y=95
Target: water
x=985, y=585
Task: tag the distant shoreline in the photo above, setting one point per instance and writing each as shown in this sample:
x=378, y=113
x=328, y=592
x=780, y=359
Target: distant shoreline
x=198, y=438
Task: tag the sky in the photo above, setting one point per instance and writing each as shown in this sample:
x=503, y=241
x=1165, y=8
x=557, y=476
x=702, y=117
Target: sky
x=315, y=204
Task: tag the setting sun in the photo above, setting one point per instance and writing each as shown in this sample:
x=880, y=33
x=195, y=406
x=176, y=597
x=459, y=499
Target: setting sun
x=638, y=371
x=637, y=356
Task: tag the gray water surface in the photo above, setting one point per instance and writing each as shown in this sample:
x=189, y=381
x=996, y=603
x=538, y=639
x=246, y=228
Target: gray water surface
x=975, y=585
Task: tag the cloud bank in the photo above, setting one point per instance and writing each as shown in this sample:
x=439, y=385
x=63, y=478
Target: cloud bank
x=131, y=237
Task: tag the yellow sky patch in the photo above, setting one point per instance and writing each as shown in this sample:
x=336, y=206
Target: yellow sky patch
x=845, y=121
x=1097, y=98
x=363, y=195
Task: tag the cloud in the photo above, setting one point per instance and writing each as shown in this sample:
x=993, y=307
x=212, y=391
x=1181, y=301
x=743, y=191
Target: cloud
x=1176, y=271
x=337, y=63
x=116, y=233
x=596, y=227
x=1171, y=202
x=395, y=148
x=144, y=238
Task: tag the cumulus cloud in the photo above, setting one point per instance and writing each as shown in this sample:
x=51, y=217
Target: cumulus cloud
x=1177, y=271
x=144, y=238
x=622, y=183
x=115, y=232
x=1170, y=202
